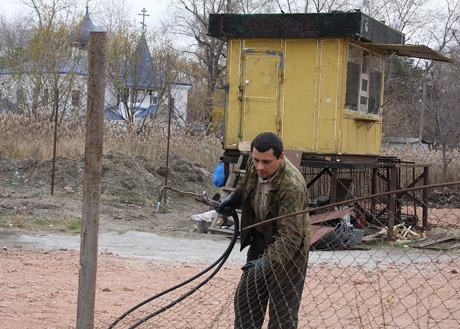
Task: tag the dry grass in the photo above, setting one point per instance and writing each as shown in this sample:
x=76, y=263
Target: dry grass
x=431, y=157
x=22, y=137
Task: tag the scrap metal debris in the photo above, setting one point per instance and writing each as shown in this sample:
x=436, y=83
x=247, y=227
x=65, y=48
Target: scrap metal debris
x=333, y=231
x=446, y=243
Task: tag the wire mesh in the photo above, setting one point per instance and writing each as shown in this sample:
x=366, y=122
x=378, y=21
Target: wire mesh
x=356, y=277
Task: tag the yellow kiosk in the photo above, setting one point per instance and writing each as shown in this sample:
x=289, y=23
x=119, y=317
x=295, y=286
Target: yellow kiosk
x=317, y=81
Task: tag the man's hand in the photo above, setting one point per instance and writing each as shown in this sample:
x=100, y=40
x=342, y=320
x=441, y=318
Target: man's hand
x=228, y=205
x=258, y=267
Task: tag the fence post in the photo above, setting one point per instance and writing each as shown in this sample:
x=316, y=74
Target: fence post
x=92, y=180
x=392, y=212
x=426, y=181
x=374, y=191
x=333, y=194
x=170, y=107
x=56, y=111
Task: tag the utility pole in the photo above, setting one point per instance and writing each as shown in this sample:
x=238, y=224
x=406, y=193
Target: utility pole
x=422, y=112
x=92, y=180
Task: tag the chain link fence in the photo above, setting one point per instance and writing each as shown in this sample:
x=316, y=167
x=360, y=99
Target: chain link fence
x=356, y=276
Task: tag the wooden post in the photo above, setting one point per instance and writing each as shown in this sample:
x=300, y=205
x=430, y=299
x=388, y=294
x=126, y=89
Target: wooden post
x=374, y=191
x=393, y=186
x=333, y=193
x=56, y=107
x=167, y=145
x=92, y=180
x=426, y=181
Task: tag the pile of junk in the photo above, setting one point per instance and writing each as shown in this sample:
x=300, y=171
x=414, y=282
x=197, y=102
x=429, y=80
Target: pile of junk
x=331, y=229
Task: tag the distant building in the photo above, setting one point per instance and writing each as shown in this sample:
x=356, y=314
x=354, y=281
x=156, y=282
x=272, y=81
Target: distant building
x=138, y=93
x=400, y=142
x=136, y=96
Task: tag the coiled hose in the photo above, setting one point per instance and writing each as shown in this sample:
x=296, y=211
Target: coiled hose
x=339, y=239
x=219, y=263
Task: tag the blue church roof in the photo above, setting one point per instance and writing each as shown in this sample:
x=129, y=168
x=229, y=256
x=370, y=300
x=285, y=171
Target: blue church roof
x=142, y=72
x=77, y=66
x=109, y=114
x=145, y=111
x=80, y=35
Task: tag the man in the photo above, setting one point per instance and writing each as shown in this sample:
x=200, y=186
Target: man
x=278, y=250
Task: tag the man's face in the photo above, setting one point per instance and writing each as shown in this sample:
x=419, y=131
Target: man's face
x=266, y=162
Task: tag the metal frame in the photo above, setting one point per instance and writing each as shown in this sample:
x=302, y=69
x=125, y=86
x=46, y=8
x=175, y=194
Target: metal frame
x=370, y=175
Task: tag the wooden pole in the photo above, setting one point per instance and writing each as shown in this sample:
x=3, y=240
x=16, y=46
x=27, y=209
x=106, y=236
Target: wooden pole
x=392, y=210
x=426, y=181
x=334, y=180
x=167, y=145
x=56, y=107
x=92, y=180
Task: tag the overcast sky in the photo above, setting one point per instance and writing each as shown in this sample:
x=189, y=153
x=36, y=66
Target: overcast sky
x=156, y=9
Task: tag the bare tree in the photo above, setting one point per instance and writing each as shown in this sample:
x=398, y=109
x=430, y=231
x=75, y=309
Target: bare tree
x=14, y=36
x=45, y=65
x=113, y=13
x=443, y=110
x=443, y=27
x=442, y=115
x=191, y=23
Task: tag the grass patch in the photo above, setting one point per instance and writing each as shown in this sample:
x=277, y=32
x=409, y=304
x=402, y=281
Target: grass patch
x=437, y=232
x=66, y=224
x=75, y=225
x=139, y=199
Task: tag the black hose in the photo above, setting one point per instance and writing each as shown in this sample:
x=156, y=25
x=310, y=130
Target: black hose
x=220, y=262
x=339, y=239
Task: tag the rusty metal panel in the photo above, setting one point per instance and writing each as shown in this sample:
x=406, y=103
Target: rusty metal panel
x=294, y=156
x=417, y=51
x=319, y=232
x=324, y=217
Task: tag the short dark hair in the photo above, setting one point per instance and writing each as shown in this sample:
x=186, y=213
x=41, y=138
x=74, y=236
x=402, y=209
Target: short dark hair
x=266, y=141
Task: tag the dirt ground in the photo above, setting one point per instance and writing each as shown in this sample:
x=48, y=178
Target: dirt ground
x=130, y=191
x=38, y=288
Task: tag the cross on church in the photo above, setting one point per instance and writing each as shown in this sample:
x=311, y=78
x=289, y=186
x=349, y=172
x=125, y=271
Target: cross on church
x=143, y=17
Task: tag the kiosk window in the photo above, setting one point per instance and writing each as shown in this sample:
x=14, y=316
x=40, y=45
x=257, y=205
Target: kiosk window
x=364, y=81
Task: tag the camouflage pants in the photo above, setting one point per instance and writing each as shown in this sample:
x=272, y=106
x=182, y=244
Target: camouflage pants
x=257, y=287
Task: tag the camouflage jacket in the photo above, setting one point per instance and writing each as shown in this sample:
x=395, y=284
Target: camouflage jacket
x=288, y=239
